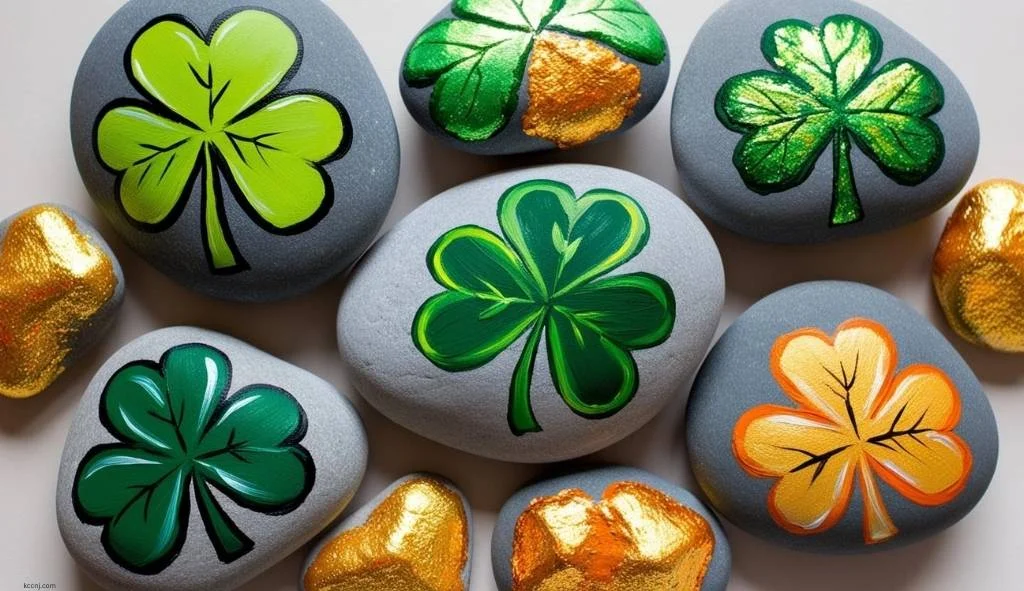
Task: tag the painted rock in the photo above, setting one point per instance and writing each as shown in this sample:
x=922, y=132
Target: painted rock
x=612, y=529
x=245, y=149
x=979, y=266
x=491, y=77
x=534, y=316
x=196, y=462
x=831, y=417
x=808, y=120
x=60, y=287
x=416, y=534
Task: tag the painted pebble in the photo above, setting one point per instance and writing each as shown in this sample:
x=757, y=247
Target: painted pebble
x=245, y=149
x=611, y=529
x=60, y=287
x=831, y=417
x=196, y=462
x=806, y=120
x=979, y=266
x=536, y=315
x=417, y=534
x=491, y=77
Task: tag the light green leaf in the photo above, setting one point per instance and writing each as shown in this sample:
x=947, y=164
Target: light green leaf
x=621, y=24
x=528, y=15
x=635, y=311
x=475, y=261
x=780, y=156
x=758, y=99
x=902, y=86
x=907, y=149
x=171, y=63
x=853, y=49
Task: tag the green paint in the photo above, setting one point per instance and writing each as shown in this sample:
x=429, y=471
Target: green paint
x=212, y=110
x=476, y=61
x=824, y=91
x=176, y=428
x=546, y=276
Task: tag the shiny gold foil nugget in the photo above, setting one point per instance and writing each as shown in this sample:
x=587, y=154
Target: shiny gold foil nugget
x=635, y=538
x=578, y=89
x=417, y=539
x=979, y=266
x=53, y=280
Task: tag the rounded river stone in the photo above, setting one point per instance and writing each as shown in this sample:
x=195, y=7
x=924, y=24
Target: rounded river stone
x=60, y=289
x=489, y=79
x=536, y=315
x=245, y=149
x=831, y=417
x=803, y=121
x=197, y=462
x=416, y=534
x=642, y=534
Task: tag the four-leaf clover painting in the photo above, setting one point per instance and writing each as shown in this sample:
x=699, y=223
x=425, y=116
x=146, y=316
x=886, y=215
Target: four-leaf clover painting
x=856, y=419
x=211, y=111
x=579, y=88
x=546, y=277
x=825, y=91
x=177, y=429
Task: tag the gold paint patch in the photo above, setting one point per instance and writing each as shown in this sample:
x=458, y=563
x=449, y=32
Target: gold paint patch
x=53, y=280
x=635, y=539
x=579, y=90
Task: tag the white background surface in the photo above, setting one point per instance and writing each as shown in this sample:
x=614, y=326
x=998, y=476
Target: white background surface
x=41, y=43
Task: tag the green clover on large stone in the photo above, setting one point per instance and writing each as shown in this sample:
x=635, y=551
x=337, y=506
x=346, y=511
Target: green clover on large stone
x=826, y=92
x=210, y=113
x=546, y=278
x=177, y=429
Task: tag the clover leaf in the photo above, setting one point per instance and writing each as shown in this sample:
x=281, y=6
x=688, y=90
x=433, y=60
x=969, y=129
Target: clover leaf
x=175, y=429
x=545, y=277
x=824, y=91
x=210, y=111
x=476, y=61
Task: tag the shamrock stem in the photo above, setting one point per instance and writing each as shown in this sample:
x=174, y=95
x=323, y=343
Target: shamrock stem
x=220, y=249
x=846, y=208
x=229, y=541
x=878, y=526
x=520, y=412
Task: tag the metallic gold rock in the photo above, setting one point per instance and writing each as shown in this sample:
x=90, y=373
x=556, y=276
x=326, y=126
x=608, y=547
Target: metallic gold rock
x=53, y=281
x=417, y=539
x=979, y=266
x=578, y=90
x=635, y=538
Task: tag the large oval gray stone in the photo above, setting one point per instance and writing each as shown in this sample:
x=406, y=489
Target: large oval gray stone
x=245, y=149
x=757, y=70
x=197, y=462
x=489, y=79
x=831, y=417
x=447, y=325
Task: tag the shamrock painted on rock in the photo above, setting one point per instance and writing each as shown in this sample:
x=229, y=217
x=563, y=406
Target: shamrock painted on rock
x=211, y=113
x=825, y=91
x=856, y=421
x=579, y=89
x=176, y=431
x=546, y=278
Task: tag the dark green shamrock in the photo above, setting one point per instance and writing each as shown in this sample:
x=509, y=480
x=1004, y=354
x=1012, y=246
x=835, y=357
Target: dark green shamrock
x=176, y=428
x=546, y=277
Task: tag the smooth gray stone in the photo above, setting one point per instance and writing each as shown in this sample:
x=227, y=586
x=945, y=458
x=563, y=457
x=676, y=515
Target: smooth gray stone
x=512, y=139
x=729, y=44
x=334, y=440
x=468, y=410
x=281, y=263
x=359, y=518
x=736, y=378
x=594, y=483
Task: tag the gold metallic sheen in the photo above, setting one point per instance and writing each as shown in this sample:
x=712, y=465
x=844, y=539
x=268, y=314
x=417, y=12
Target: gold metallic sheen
x=635, y=539
x=417, y=539
x=578, y=90
x=53, y=280
x=979, y=266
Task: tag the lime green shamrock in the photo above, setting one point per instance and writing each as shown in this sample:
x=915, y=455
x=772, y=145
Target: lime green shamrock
x=545, y=277
x=825, y=91
x=211, y=109
x=176, y=429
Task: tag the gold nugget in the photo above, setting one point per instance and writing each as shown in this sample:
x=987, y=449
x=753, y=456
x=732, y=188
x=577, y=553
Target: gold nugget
x=979, y=266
